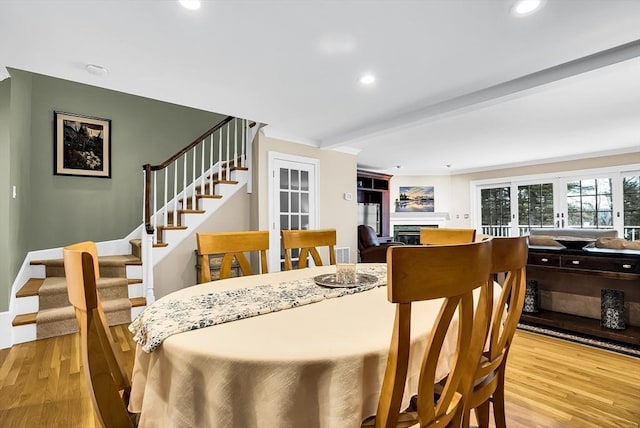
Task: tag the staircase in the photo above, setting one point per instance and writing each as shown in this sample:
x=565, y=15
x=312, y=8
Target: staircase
x=120, y=289
x=199, y=178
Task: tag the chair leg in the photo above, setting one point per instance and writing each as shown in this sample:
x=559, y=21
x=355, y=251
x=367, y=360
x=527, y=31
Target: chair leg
x=482, y=414
x=457, y=419
x=498, y=401
x=466, y=418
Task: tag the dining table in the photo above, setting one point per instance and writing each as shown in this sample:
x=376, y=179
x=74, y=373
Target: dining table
x=319, y=364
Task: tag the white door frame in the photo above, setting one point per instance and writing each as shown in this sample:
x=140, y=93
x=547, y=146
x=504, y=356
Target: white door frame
x=273, y=195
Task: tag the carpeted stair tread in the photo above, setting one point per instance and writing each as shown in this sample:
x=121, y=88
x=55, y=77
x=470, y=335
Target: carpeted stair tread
x=136, y=248
x=62, y=320
x=68, y=312
x=56, y=284
x=53, y=292
x=102, y=261
x=110, y=266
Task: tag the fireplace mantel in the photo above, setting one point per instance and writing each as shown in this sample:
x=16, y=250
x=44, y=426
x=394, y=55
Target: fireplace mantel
x=419, y=218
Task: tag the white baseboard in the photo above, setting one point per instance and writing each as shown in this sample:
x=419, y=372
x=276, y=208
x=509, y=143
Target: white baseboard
x=6, y=330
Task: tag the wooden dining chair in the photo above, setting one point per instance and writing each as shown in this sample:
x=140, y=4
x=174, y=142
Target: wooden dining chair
x=232, y=245
x=509, y=257
x=307, y=241
x=441, y=235
x=109, y=384
x=450, y=273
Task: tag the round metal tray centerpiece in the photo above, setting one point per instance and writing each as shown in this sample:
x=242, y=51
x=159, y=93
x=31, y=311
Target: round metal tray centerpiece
x=329, y=280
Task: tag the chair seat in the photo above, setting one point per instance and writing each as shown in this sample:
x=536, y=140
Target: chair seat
x=405, y=420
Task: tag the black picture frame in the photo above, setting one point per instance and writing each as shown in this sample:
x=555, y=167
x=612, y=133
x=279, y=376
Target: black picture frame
x=82, y=145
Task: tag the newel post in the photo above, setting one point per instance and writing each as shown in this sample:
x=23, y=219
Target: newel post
x=147, y=238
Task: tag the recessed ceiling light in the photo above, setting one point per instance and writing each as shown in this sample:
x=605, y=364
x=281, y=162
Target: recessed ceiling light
x=96, y=70
x=190, y=4
x=367, y=79
x=526, y=7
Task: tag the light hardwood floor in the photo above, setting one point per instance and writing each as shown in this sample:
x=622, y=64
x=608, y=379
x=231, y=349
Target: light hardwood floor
x=550, y=383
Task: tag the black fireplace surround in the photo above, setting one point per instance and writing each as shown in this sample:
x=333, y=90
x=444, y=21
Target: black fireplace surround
x=409, y=234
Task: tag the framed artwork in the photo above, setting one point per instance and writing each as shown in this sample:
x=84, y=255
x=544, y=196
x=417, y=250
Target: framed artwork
x=415, y=199
x=82, y=145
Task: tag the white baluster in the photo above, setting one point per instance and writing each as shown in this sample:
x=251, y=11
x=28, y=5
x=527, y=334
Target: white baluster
x=202, y=177
x=220, y=154
x=175, y=188
x=165, y=205
x=228, y=153
x=243, y=159
x=184, y=183
x=211, y=166
x=193, y=181
x=235, y=142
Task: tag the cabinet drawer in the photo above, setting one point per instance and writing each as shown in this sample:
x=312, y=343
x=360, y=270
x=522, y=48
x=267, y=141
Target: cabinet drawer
x=544, y=259
x=604, y=264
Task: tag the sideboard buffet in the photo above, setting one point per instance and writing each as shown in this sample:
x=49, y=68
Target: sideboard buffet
x=569, y=284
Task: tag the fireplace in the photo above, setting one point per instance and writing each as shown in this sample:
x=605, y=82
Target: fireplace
x=406, y=226
x=409, y=234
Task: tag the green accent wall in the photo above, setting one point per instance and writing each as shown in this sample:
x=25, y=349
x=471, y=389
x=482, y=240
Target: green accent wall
x=18, y=172
x=52, y=210
x=5, y=194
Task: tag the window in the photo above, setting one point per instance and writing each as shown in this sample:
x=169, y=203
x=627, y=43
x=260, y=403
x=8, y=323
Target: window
x=631, y=203
x=590, y=203
x=496, y=211
x=535, y=206
x=603, y=198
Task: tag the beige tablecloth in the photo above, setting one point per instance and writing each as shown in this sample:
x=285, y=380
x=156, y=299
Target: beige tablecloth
x=319, y=365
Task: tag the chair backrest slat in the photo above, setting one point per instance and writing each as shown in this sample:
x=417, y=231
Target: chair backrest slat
x=443, y=236
x=232, y=245
x=459, y=275
x=308, y=241
x=109, y=384
x=510, y=258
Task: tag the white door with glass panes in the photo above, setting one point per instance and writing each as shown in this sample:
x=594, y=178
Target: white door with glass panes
x=536, y=206
x=293, y=201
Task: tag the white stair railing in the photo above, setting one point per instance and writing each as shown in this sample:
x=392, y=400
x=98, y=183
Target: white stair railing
x=176, y=185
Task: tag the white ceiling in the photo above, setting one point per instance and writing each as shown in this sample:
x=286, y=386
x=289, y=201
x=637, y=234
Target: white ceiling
x=459, y=82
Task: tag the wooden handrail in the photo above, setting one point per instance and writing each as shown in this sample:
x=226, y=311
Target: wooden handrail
x=192, y=145
x=148, y=168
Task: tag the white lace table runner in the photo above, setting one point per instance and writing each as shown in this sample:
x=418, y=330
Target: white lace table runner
x=171, y=316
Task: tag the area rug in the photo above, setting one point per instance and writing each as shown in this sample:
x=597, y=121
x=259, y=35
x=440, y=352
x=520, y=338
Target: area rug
x=584, y=339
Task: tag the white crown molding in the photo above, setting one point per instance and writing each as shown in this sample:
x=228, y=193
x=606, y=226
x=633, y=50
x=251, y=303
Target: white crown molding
x=4, y=74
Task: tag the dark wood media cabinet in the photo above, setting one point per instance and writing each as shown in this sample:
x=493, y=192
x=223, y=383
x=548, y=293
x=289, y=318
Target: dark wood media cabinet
x=569, y=287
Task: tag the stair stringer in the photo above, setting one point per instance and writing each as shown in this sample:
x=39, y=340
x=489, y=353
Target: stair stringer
x=177, y=269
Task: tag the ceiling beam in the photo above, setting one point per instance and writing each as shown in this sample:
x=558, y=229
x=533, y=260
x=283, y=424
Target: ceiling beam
x=484, y=97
